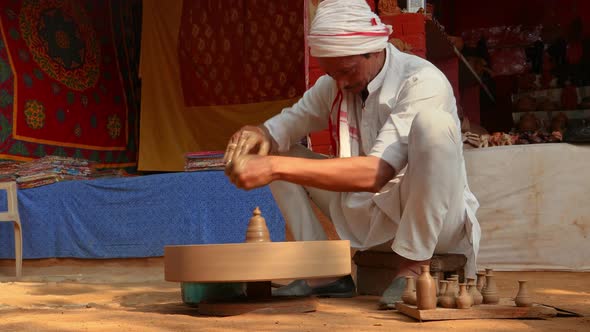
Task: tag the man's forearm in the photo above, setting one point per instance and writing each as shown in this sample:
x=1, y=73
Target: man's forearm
x=339, y=174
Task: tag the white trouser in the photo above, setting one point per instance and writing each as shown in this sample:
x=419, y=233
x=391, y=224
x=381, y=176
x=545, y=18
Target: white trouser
x=422, y=210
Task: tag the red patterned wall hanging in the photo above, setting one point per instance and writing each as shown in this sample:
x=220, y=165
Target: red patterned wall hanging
x=64, y=92
x=241, y=51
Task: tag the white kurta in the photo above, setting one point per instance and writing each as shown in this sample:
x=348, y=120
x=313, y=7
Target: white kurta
x=440, y=217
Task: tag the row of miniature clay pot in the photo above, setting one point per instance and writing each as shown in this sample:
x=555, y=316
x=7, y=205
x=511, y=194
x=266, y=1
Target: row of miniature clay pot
x=487, y=285
x=426, y=293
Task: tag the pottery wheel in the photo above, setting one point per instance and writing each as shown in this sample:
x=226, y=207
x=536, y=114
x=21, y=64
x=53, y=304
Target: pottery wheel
x=262, y=261
x=256, y=264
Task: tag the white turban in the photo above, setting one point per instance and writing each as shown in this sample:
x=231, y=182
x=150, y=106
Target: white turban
x=346, y=27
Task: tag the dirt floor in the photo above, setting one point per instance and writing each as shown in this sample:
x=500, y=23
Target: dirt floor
x=131, y=295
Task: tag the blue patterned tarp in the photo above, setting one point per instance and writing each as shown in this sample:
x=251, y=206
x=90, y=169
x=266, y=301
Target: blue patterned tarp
x=136, y=216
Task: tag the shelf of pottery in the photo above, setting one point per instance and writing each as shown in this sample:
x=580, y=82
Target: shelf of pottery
x=543, y=116
x=564, y=112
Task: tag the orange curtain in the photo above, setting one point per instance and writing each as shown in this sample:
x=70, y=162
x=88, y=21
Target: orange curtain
x=202, y=80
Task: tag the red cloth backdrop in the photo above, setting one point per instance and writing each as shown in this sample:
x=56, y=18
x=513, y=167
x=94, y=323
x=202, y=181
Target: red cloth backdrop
x=63, y=89
x=241, y=51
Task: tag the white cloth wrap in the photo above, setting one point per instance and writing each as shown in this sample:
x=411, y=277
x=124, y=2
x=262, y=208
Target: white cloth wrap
x=346, y=27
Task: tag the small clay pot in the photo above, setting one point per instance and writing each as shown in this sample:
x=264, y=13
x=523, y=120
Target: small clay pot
x=481, y=280
x=473, y=292
x=409, y=294
x=523, y=299
x=490, y=293
x=447, y=301
x=464, y=300
x=425, y=290
x=443, y=291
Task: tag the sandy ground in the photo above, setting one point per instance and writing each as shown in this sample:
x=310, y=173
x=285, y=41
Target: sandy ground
x=130, y=295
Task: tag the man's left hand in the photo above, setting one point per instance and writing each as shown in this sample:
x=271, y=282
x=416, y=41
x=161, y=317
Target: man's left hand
x=250, y=171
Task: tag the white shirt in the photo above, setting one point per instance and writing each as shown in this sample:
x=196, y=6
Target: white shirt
x=406, y=85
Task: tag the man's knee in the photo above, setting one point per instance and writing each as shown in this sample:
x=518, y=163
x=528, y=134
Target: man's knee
x=434, y=128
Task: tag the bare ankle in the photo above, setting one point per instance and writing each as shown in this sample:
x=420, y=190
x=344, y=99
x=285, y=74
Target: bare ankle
x=408, y=267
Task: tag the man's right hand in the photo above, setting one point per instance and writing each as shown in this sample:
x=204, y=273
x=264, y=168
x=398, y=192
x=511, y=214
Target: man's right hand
x=247, y=140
